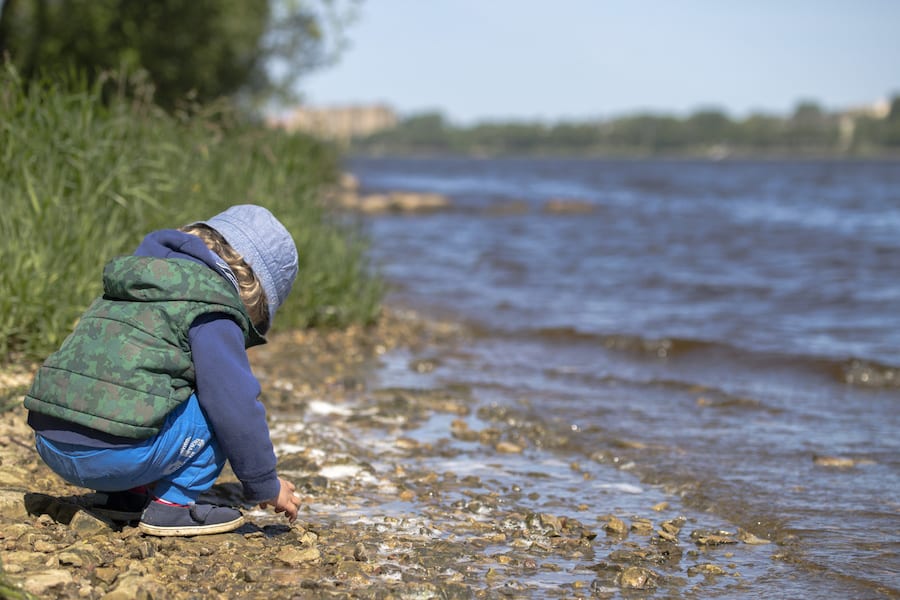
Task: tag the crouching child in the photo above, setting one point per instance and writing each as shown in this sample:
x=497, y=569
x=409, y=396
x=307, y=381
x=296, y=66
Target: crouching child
x=153, y=392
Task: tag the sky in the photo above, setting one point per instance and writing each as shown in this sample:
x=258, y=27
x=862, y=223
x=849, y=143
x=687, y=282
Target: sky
x=562, y=60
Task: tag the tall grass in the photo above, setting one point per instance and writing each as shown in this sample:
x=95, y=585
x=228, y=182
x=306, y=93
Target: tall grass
x=85, y=174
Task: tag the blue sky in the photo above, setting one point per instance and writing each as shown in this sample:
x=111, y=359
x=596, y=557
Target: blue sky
x=570, y=59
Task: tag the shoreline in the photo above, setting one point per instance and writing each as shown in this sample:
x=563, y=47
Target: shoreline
x=408, y=491
x=698, y=156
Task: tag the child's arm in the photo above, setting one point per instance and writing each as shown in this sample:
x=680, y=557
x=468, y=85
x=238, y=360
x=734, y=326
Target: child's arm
x=228, y=392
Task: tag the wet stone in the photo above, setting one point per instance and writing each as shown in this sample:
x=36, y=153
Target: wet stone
x=296, y=556
x=508, y=448
x=712, y=538
x=641, y=526
x=460, y=430
x=637, y=578
x=667, y=537
x=616, y=526
x=361, y=553
x=749, y=538
x=835, y=462
x=706, y=569
x=673, y=526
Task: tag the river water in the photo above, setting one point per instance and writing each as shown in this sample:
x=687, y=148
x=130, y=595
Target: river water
x=737, y=323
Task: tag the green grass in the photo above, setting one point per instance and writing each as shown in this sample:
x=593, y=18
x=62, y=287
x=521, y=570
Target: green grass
x=85, y=174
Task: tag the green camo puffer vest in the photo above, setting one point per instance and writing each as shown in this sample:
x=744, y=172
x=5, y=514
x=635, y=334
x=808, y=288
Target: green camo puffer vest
x=128, y=362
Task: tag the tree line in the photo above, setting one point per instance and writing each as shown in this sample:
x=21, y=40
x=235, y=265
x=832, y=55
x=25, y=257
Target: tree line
x=189, y=51
x=808, y=130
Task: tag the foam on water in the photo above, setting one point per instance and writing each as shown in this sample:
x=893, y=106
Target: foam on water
x=323, y=408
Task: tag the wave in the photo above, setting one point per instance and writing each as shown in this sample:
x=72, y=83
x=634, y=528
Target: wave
x=868, y=373
x=660, y=347
x=711, y=396
x=853, y=371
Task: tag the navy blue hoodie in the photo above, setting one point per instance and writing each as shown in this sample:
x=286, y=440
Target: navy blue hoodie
x=227, y=390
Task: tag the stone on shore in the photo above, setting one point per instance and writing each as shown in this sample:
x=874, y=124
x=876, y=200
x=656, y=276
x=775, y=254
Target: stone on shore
x=393, y=202
x=568, y=206
x=41, y=583
x=12, y=504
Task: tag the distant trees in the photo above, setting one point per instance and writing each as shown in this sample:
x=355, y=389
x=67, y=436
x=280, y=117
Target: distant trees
x=425, y=132
x=891, y=131
x=709, y=127
x=202, y=48
x=761, y=132
x=810, y=126
x=809, y=129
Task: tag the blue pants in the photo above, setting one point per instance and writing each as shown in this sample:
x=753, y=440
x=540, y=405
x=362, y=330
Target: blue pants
x=181, y=462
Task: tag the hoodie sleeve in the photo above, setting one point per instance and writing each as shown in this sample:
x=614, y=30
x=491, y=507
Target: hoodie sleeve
x=228, y=392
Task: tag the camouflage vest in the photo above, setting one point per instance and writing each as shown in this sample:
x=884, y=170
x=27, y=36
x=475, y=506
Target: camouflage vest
x=128, y=361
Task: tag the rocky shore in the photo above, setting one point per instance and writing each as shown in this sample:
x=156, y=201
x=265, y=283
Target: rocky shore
x=409, y=492
x=347, y=195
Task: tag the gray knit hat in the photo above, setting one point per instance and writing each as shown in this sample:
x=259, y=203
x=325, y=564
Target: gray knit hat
x=265, y=245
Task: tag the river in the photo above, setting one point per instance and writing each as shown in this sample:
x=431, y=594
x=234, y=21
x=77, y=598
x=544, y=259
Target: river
x=734, y=324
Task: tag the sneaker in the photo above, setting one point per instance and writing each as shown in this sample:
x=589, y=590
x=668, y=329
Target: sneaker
x=120, y=506
x=164, y=519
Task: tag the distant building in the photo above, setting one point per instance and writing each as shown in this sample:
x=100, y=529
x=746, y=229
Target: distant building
x=877, y=110
x=339, y=123
x=847, y=119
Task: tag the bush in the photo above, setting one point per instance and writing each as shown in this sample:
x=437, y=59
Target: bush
x=86, y=174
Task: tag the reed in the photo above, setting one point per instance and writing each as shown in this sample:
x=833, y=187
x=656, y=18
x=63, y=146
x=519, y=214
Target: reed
x=86, y=170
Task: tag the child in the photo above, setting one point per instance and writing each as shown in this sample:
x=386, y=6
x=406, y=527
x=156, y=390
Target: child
x=153, y=391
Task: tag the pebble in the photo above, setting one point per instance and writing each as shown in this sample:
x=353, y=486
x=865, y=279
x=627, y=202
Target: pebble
x=616, y=526
x=12, y=504
x=834, y=462
x=42, y=546
x=706, y=569
x=637, y=578
x=41, y=582
x=86, y=524
x=296, y=556
x=707, y=538
x=641, y=526
x=749, y=538
x=508, y=448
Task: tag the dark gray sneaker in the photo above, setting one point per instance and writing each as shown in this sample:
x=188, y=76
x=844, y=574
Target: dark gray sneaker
x=194, y=519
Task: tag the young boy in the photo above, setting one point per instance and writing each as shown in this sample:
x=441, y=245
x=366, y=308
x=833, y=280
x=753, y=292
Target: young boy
x=153, y=391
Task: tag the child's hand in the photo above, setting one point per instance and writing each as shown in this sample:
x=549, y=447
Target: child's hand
x=287, y=501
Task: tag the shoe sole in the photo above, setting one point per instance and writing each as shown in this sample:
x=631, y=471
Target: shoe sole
x=187, y=530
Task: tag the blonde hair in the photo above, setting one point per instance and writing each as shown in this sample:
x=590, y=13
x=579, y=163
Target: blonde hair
x=249, y=286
